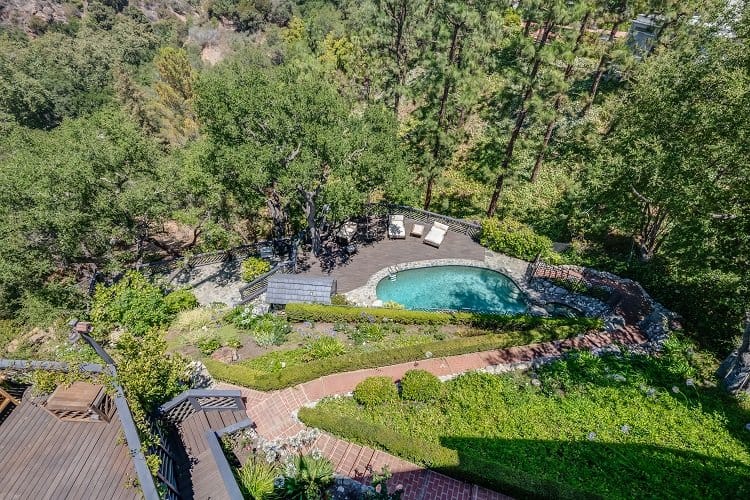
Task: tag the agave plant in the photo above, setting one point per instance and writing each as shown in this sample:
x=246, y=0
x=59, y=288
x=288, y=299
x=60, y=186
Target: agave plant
x=257, y=478
x=306, y=478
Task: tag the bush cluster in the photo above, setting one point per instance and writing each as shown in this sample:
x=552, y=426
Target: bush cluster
x=252, y=267
x=334, y=314
x=374, y=391
x=180, y=300
x=299, y=373
x=420, y=385
x=515, y=239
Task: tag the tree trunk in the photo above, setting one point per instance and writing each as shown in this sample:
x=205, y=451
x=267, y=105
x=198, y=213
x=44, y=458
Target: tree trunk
x=277, y=213
x=310, y=210
x=428, y=192
x=441, y=122
x=398, y=11
x=601, y=67
x=496, y=195
x=520, y=118
x=558, y=101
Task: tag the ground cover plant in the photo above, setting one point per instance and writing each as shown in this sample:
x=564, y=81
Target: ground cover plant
x=612, y=427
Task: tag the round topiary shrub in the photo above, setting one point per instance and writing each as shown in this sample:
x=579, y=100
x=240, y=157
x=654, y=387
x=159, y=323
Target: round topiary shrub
x=374, y=391
x=420, y=385
x=252, y=267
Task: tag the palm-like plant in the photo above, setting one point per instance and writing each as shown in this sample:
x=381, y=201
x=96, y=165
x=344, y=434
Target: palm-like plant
x=257, y=478
x=310, y=479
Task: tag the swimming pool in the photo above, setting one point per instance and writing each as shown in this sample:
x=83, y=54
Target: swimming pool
x=452, y=288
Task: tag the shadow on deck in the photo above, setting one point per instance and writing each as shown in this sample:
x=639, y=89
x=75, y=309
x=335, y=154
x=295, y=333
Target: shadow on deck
x=353, y=271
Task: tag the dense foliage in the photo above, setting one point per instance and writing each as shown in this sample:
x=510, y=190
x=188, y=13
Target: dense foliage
x=253, y=267
x=131, y=133
x=585, y=426
x=513, y=238
x=133, y=303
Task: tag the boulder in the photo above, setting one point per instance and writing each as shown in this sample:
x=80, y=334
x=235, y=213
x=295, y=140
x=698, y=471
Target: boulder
x=734, y=371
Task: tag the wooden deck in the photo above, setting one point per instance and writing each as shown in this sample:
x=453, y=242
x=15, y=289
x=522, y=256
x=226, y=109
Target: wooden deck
x=353, y=272
x=42, y=457
x=205, y=481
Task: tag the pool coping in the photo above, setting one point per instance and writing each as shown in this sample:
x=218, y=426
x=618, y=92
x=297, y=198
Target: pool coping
x=366, y=295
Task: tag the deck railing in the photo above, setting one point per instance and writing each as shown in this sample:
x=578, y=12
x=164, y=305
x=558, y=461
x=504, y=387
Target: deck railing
x=469, y=228
x=195, y=400
x=280, y=247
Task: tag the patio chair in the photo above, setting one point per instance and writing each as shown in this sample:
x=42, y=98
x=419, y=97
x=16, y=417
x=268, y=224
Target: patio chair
x=396, y=229
x=436, y=234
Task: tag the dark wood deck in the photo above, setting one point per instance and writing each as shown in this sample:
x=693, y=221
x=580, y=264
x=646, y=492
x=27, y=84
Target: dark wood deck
x=42, y=457
x=205, y=478
x=353, y=272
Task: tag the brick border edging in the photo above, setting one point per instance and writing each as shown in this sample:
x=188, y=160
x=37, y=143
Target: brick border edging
x=275, y=413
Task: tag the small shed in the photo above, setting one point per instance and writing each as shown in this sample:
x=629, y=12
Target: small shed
x=296, y=288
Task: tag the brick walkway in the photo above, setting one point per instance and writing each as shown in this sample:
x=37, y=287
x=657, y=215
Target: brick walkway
x=274, y=413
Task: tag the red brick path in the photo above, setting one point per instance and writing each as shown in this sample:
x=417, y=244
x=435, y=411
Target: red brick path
x=274, y=413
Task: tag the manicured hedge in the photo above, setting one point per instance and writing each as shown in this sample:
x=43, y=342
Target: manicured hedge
x=496, y=476
x=331, y=314
x=293, y=375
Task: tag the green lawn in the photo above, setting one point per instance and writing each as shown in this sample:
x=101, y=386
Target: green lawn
x=611, y=427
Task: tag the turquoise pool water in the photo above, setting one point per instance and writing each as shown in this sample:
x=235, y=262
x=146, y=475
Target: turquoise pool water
x=453, y=288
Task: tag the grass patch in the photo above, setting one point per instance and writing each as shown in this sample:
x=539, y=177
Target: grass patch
x=607, y=427
x=266, y=373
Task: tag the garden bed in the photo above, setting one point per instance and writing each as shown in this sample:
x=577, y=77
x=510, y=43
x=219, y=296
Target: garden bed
x=584, y=427
x=276, y=351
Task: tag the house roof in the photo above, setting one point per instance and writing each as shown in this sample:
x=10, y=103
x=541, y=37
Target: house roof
x=296, y=288
x=41, y=455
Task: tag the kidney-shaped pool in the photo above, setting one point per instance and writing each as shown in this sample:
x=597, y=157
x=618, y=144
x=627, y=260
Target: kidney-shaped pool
x=453, y=288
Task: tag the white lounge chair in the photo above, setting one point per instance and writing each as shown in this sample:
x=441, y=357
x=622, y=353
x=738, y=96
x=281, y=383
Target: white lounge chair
x=396, y=229
x=436, y=234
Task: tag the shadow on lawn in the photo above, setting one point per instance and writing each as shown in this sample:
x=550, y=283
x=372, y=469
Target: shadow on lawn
x=590, y=469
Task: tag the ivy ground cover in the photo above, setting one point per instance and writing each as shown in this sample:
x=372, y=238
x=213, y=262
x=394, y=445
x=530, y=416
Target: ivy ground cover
x=612, y=427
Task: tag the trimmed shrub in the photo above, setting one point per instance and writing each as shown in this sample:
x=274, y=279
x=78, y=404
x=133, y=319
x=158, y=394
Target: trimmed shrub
x=420, y=385
x=374, y=391
x=252, y=267
x=293, y=375
x=515, y=239
x=502, y=322
x=180, y=300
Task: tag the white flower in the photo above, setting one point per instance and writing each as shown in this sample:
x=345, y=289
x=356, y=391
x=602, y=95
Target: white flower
x=690, y=382
x=283, y=364
x=651, y=392
x=591, y=436
x=618, y=377
x=625, y=429
x=675, y=389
